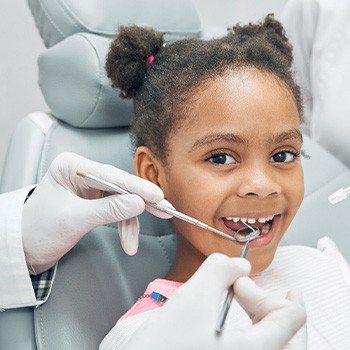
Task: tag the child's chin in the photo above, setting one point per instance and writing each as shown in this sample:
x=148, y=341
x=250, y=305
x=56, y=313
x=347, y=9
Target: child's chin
x=259, y=265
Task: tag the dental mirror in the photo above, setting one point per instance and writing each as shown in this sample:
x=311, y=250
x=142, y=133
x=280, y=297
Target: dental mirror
x=245, y=233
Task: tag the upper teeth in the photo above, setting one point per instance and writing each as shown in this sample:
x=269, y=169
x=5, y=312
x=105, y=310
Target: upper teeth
x=251, y=220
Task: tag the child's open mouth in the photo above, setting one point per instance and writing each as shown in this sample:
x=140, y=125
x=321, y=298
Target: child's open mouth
x=241, y=231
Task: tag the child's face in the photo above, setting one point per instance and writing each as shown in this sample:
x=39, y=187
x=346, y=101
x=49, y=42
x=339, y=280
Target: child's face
x=234, y=157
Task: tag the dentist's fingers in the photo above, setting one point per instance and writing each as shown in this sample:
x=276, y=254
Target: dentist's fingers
x=112, y=208
x=299, y=341
x=158, y=213
x=133, y=184
x=63, y=169
x=129, y=235
x=276, y=320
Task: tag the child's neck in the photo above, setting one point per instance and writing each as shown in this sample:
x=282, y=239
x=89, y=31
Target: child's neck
x=178, y=273
x=186, y=263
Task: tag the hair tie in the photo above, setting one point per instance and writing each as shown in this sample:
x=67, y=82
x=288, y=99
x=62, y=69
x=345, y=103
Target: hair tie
x=150, y=59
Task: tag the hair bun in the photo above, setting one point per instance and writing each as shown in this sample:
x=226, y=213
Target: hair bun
x=130, y=55
x=269, y=31
x=277, y=37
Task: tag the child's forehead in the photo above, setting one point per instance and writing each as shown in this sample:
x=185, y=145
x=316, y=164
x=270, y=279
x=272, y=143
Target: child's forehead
x=240, y=75
x=242, y=89
x=242, y=103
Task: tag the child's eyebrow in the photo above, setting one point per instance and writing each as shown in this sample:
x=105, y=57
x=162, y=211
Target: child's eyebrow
x=212, y=138
x=286, y=136
x=233, y=138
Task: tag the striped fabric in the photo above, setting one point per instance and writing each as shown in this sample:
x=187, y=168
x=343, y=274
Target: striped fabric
x=42, y=284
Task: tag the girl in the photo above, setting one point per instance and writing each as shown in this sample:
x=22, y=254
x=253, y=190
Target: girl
x=217, y=127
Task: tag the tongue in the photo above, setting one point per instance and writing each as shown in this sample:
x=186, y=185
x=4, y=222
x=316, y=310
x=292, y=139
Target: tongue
x=235, y=226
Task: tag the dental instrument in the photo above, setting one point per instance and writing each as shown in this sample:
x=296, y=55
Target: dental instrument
x=163, y=208
x=339, y=195
x=229, y=296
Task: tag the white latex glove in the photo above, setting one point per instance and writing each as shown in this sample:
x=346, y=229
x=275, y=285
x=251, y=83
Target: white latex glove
x=278, y=323
x=188, y=318
x=64, y=207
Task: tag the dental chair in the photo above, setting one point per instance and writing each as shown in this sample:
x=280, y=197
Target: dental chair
x=96, y=282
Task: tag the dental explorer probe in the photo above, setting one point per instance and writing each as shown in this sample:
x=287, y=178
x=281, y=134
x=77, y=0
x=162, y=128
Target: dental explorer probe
x=229, y=295
x=163, y=208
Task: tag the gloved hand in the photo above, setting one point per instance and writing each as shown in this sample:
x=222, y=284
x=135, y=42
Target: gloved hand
x=279, y=323
x=188, y=318
x=64, y=207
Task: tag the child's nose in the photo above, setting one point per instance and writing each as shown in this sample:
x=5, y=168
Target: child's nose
x=259, y=183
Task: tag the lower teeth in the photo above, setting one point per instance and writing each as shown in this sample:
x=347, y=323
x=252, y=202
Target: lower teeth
x=265, y=228
x=242, y=234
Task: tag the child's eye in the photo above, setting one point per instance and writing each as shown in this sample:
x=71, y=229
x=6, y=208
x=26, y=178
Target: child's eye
x=221, y=158
x=284, y=157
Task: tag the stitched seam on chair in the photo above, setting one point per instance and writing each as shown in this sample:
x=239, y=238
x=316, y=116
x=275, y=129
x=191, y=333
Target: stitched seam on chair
x=71, y=15
x=164, y=250
x=51, y=20
x=80, y=24
x=42, y=332
x=100, y=84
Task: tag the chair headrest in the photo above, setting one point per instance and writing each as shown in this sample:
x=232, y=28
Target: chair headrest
x=58, y=19
x=75, y=86
x=71, y=72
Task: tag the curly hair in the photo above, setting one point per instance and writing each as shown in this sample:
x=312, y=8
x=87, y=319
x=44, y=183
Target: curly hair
x=162, y=78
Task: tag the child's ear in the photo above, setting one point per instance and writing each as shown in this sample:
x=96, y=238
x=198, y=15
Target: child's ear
x=147, y=165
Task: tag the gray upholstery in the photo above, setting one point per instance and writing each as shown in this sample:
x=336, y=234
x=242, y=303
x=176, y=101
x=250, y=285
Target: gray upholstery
x=316, y=217
x=58, y=19
x=96, y=282
x=90, y=100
